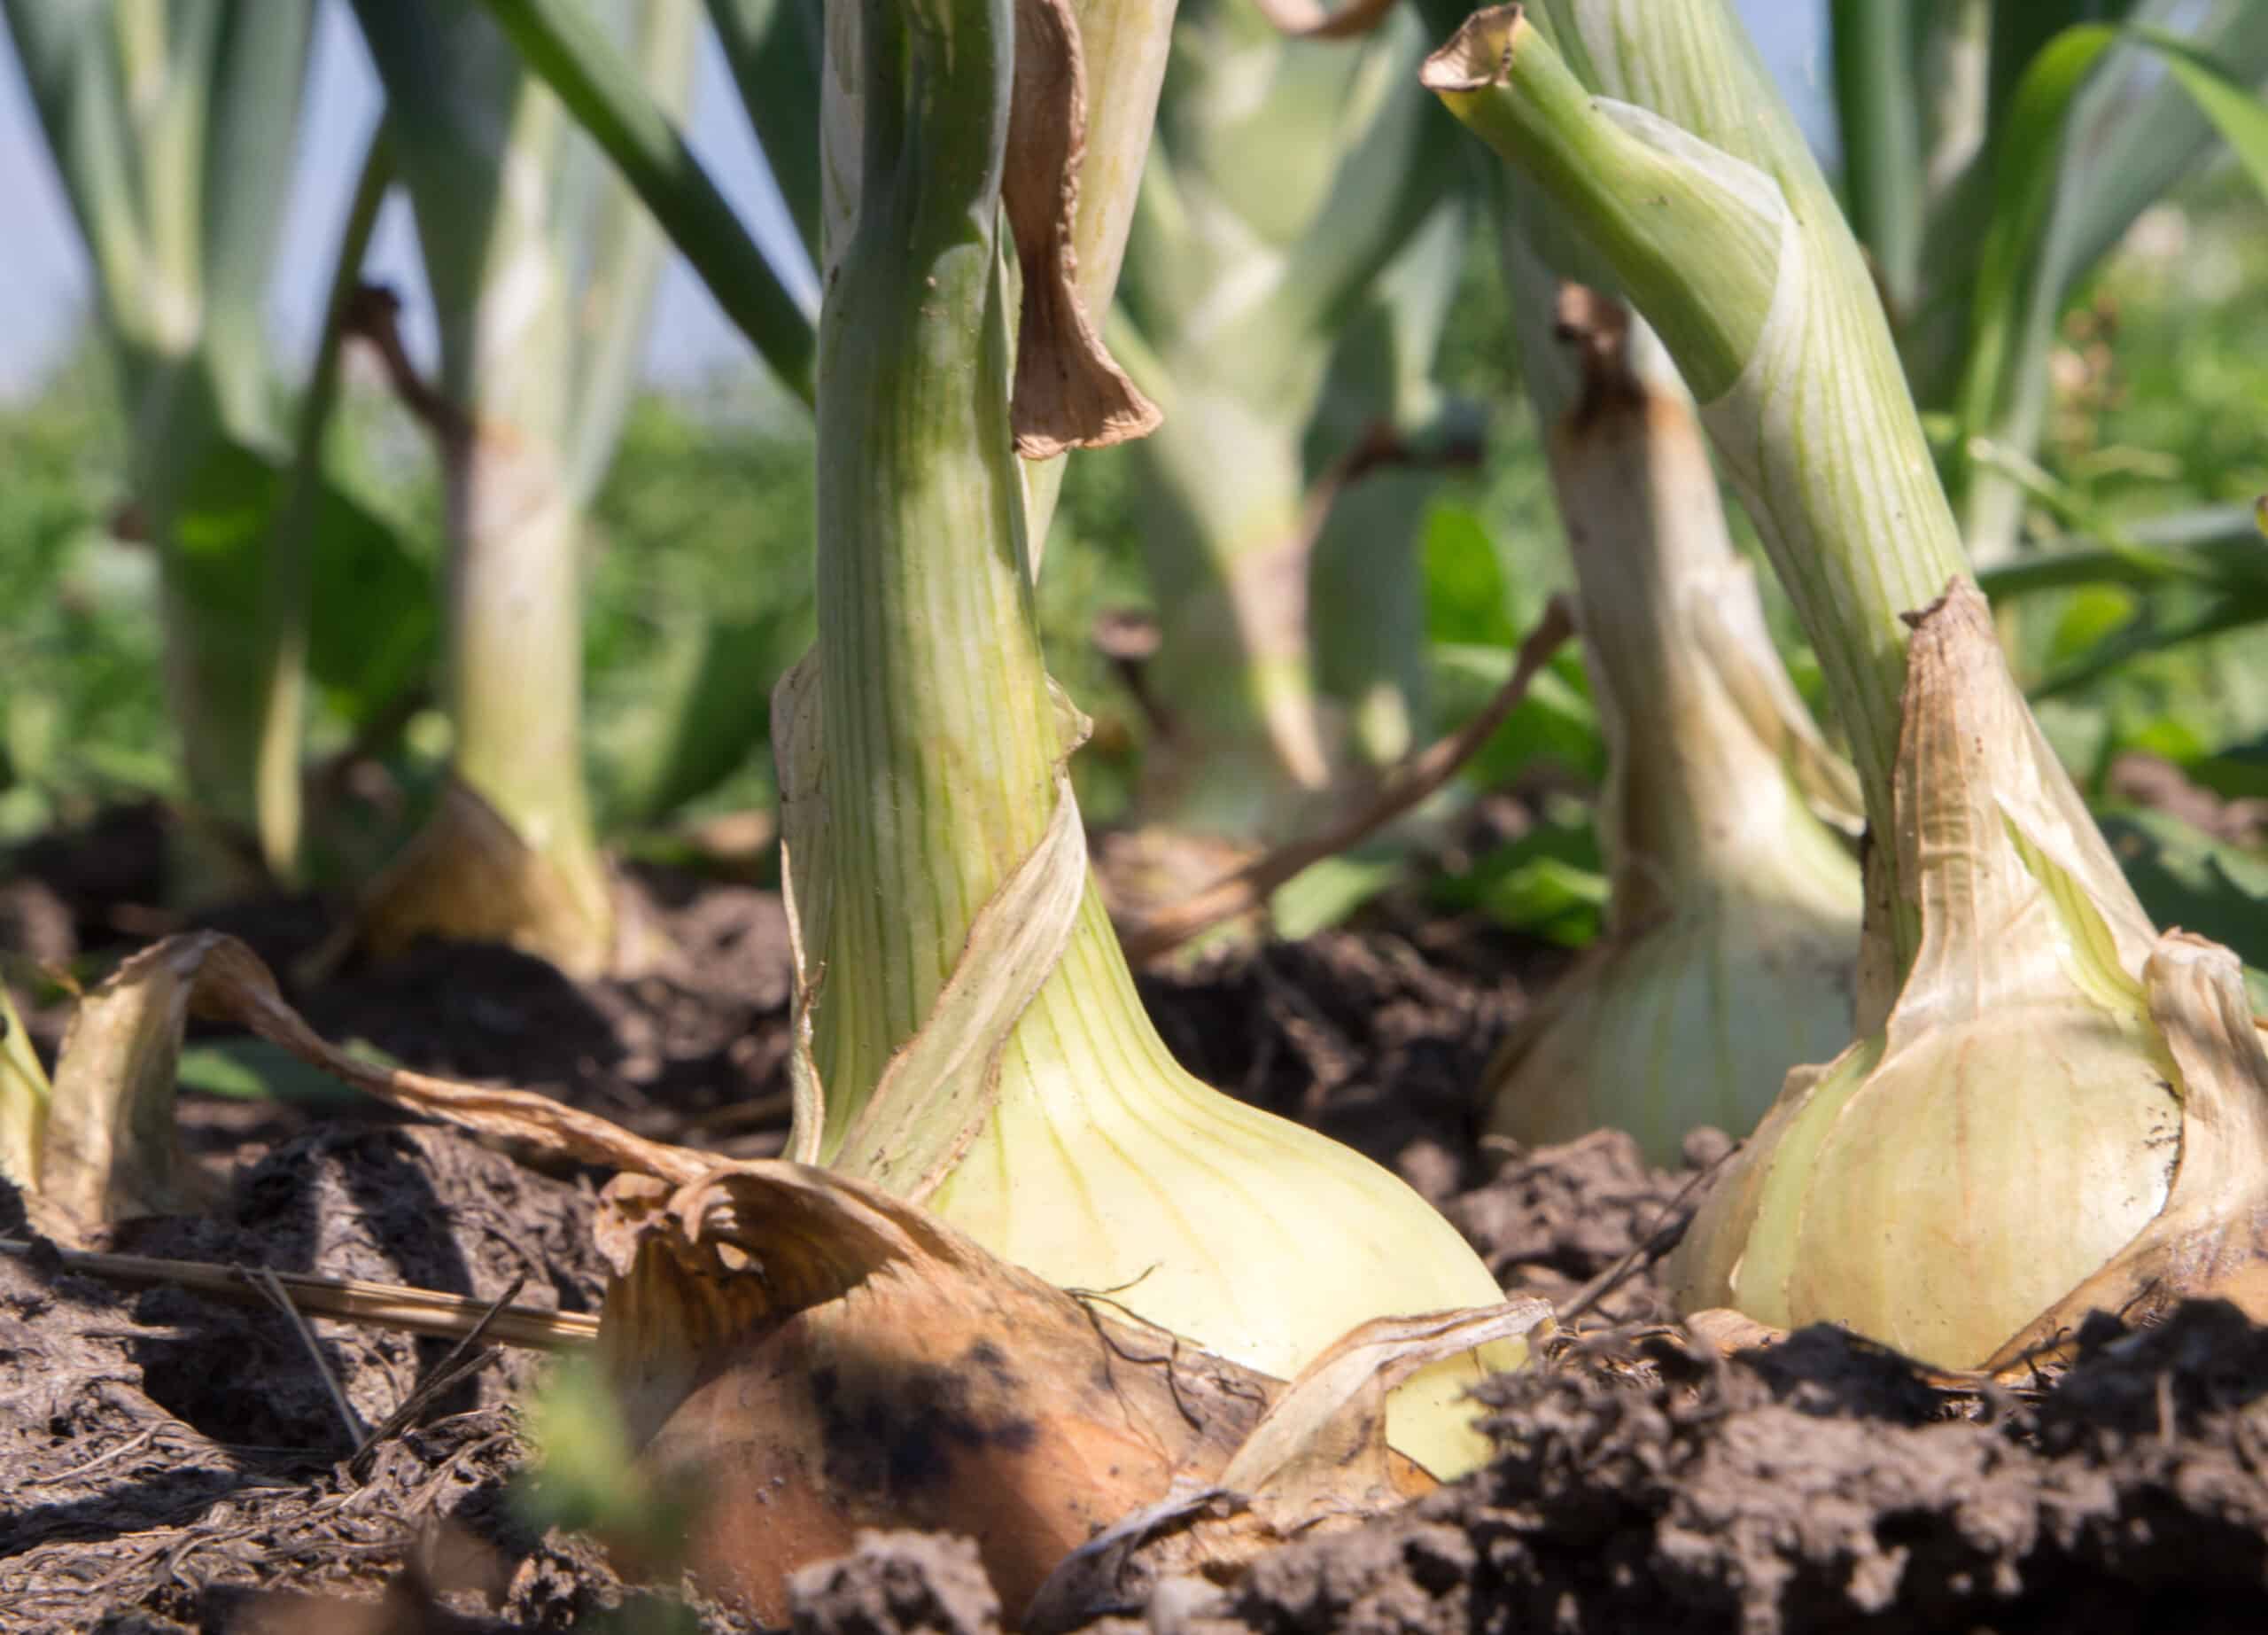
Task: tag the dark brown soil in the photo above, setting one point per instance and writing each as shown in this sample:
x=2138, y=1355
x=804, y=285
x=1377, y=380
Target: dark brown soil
x=162, y=1451
x=690, y=1050
x=1816, y=1489
x=171, y=1461
x=1374, y=1035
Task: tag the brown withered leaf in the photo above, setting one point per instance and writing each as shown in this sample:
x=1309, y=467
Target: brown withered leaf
x=1725, y=1332
x=110, y=1150
x=1069, y=392
x=229, y=982
x=468, y=875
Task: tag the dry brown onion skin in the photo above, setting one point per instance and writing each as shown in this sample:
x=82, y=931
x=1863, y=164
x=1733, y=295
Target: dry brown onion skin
x=801, y=1356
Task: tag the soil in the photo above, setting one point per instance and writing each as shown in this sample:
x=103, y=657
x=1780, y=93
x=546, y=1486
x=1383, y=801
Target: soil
x=172, y=1461
x=1818, y=1486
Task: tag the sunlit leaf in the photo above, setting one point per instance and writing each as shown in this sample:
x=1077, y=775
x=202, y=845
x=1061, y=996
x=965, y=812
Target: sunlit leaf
x=1325, y=894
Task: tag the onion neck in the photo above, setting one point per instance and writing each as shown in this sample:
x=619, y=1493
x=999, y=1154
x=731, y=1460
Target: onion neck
x=940, y=736
x=1694, y=796
x=516, y=664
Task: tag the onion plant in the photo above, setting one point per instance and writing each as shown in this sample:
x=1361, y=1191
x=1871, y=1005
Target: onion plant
x=969, y=1035
x=1732, y=930
x=1299, y=237
x=975, y=1039
x=775, y=57
x=2043, y=1099
x=774, y=48
x=542, y=269
x=173, y=124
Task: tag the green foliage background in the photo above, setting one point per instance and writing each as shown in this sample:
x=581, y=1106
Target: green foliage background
x=699, y=587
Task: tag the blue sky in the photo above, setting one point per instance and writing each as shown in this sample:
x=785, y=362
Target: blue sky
x=43, y=285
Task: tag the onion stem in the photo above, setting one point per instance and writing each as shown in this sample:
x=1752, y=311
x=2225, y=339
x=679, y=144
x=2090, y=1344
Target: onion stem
x=1739, y=258
x=537, y=335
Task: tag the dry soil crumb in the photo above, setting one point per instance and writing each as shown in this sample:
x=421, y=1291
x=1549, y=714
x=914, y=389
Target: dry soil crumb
x=1551, y=1218
x=896, y=1584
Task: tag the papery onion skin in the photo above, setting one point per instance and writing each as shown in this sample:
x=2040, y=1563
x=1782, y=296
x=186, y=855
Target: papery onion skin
x=1938, y=1199
x=2015, y=1122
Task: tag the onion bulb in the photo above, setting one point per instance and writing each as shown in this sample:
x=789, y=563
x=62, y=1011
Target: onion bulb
x=2061, y=1110
x=1733, y=928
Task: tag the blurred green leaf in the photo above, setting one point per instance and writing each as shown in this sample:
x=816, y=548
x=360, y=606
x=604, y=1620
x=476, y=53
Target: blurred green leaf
x=2031, y=140
x=700, y=597
x=372, y=626
x=776, y=49
x=2096, y=131
x=586, y=1477
x=716, y=712
x=572, y=55
x=2239, y=116
x=1325, y=893
x=2187, y=878
x=219, y=538
x=2091, y=615
x=2240, y=773
x=1550, y=883
x=2175, y=741
x=134, y=769
x=253, y=1070
x=1555, y=723
x=373, y=630
x=1465, y=598
x=2214, y=545
x=2151, y=632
